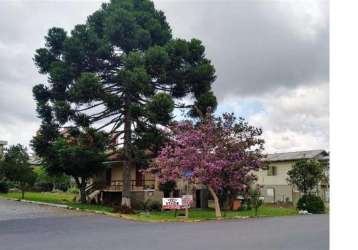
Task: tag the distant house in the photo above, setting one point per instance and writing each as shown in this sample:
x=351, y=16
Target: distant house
x=2, y=145
x=274, y=177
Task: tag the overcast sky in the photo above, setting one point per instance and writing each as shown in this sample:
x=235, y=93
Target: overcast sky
x=271, y=57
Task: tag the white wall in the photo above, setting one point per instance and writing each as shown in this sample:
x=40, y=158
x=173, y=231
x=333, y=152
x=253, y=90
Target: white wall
x=279, y=179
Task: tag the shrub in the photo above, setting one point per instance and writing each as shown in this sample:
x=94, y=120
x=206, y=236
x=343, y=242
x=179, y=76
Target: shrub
x=143, y=205
x=43, y=187
x=311, y=203
x=245, y=205
x=154, y=205
x=4, y=187
x=255, y=199
x=63, y=187
x=73, y=190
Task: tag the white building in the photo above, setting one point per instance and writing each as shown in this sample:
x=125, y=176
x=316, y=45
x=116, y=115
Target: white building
x=274, y=179
x=2, y=145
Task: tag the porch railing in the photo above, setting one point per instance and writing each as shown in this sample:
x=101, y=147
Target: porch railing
x=117, y=185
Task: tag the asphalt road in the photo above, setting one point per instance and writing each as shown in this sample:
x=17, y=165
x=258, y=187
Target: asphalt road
x=33, y=227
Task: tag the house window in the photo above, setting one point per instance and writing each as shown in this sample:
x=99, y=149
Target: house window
x=270, y=192
x=272, y=171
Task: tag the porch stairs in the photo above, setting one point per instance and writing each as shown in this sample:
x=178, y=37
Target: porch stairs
x=93, y=193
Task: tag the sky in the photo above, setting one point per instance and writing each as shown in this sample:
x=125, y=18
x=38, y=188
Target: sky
x=271, y=60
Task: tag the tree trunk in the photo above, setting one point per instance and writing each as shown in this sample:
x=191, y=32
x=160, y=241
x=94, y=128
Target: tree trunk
x=126, y=192
x=22, y=194
x=82, y=187
x=216, y=203
x=83, y=195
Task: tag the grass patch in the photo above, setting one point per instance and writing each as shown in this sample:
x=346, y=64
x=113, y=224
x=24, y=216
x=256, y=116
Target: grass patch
x=209, y=214
x=194, y=214
x=57, y=198
x=49, y=197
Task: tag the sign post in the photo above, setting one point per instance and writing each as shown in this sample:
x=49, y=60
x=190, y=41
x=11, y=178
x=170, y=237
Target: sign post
x=187, y=201
x=178, y=203
x=172, y=203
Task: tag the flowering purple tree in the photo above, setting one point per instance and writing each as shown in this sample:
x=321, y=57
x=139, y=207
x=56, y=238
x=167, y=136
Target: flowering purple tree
x=221, y=153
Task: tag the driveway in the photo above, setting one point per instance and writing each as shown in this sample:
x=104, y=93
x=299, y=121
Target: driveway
x=33, y=227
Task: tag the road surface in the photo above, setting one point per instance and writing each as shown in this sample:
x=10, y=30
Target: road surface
x=33, y=227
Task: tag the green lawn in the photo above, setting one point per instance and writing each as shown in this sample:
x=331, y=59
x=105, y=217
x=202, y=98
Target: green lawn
x=57, y=198
x=209, y=214
x=194, y=214
x=50, y=197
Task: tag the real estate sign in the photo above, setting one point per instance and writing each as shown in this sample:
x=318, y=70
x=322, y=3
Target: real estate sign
x=172, y=203
x=187, y=200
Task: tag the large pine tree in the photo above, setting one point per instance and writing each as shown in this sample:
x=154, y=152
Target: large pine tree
x=121, y=72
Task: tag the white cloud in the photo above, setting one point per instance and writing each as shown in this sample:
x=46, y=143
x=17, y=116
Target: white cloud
x=257, y=46
x=296, y=119
x=271, y=58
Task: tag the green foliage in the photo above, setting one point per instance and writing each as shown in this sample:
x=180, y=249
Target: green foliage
x=87, y=88
x=311, y=203
x=209, y=214
x=77, y=159
x=202, y=103
x=77, y=153
x=245, y=205
x=160, y=108
x=45, y=182
x=73, y=190
x=154, y=205
x=58, y=198
x=167, y=187
x=15, y=167
x=306, y=175
x=4, y=186
x=149, y=205
x=255, y=199
x=122, y=72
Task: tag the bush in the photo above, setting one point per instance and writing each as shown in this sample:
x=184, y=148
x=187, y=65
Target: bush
x=154, y=205
x=143, y=205
x=149, y=205
x=43, y=187
x=4, y=187
x=245, y=205
x=73, y=190
x=63, y=187
x=311, y=203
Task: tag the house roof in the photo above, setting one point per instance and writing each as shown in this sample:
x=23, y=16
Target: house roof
x=298, y=155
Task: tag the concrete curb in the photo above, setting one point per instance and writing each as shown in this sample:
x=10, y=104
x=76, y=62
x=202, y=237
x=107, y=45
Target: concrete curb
x=46, y=204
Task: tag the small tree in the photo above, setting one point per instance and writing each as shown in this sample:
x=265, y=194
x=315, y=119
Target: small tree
x=79, y=154
x=306, y=175
x=216, y=152
x=46, y=181
x=255, y=198
x=16, y=168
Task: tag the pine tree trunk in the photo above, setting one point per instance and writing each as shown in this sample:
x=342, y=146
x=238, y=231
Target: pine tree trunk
x=82, y=187
x=83, y=195
x=216, y=203
x=126, y=193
